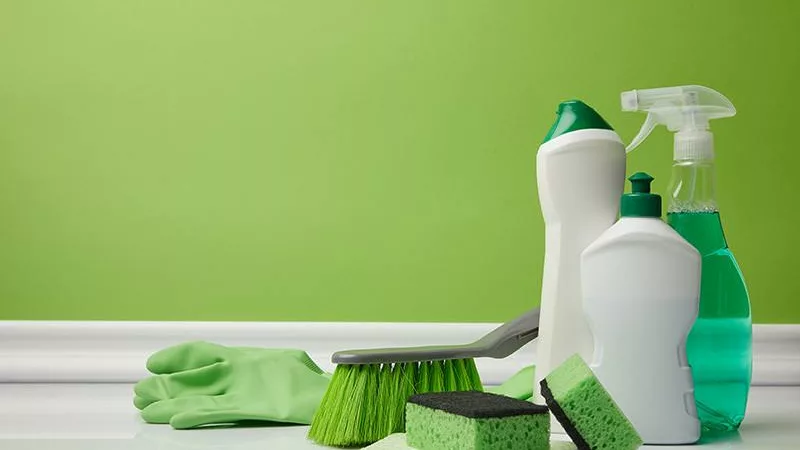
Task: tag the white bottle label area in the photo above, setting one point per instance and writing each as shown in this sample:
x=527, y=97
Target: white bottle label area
x=641, y=285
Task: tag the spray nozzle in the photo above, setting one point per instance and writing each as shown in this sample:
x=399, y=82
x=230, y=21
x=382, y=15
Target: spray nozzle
x=682, y=109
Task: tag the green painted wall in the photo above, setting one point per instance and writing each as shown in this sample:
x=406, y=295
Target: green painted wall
x=353, y=160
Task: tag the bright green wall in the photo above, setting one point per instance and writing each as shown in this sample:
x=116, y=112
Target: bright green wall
x=353, y=160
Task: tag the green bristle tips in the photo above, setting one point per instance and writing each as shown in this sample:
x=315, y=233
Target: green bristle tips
x=450, y=376
x=424, y=381
x=366, y=403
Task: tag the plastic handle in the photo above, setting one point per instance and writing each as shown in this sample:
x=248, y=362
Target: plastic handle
x=511, y=336
x=499, y=343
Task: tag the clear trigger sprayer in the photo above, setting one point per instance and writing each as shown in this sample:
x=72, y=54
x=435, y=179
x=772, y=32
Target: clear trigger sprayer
x=685, y=110
x=721, y=379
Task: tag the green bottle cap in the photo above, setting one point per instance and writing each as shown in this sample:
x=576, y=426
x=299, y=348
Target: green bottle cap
x=640, y=202
x=575, y=115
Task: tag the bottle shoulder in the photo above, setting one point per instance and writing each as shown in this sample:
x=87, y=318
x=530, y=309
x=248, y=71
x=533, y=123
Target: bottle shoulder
x=647, y=231
x=582, y=140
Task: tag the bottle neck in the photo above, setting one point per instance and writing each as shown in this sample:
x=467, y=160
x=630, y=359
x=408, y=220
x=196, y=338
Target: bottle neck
x=692, y=187
x=692, y=209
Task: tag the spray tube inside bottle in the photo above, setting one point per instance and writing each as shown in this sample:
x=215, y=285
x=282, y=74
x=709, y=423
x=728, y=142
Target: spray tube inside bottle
x=721, y=379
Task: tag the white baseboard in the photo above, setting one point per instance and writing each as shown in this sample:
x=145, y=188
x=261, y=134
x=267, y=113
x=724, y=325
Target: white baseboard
x=115, y=352
x=776, y=355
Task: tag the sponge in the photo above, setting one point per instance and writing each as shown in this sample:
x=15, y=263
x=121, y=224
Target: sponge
x=585, y=409
x=471, y=420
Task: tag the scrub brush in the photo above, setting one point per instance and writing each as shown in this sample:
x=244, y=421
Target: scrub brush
x=365, y=401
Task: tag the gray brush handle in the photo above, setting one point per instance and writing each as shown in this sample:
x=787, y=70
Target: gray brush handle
x=509, y=337
x=499, y=343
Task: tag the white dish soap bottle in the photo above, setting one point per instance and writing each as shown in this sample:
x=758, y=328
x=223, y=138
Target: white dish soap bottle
x=641, y=290
x=580, y=172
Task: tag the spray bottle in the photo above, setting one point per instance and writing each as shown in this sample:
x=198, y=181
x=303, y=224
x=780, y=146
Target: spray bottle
x=719, y=345
x=580, y=173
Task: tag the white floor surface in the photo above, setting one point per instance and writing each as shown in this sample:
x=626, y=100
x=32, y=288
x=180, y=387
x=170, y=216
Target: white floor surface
x=102, y=416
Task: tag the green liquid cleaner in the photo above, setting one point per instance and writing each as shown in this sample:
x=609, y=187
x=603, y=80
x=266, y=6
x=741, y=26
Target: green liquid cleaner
x=719, y=346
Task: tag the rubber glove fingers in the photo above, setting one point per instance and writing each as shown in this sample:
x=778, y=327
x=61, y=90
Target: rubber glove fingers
x=141, y=402
x=209, y=380
x=164, y=410
x=196, y=354
x=186, y=356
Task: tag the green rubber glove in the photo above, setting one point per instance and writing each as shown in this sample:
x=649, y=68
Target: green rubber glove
x=519, y=386
x=200, y=383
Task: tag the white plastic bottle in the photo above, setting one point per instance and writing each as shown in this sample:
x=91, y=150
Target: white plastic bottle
x=580, y=171
x=641, y=288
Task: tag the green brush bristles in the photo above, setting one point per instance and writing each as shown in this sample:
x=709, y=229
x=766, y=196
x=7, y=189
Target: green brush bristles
x=366, y=403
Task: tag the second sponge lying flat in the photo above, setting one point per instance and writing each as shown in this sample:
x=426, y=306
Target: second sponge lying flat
x=586, y=410
x=475, y=421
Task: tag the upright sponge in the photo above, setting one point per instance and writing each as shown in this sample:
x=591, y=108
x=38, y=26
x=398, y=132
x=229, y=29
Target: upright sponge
x=585, y=409
x=475, y=421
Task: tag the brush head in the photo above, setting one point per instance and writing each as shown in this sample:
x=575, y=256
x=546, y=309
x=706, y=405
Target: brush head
x=365, y=403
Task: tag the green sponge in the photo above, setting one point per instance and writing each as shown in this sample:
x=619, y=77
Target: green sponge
x=585, y=409
x=473, y=420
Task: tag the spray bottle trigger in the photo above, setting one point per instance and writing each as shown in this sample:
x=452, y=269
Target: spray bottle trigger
x=648, y=126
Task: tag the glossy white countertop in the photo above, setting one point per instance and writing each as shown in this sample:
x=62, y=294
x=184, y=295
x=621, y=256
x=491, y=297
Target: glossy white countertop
x=102, y=416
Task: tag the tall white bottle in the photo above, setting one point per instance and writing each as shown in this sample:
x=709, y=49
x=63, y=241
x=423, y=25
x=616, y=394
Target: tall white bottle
x=580, y=171
x=641, y=288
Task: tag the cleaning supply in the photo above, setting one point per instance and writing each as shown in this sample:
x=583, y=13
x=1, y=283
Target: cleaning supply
x=588, y=413
x=641, y=288
x=201, y=383
x=475, y=421
x=580, y=172
x=719, y=346
x=519, y=386
x=366, y=399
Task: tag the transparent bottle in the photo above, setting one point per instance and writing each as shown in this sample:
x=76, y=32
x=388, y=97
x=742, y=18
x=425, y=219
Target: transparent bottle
x=719, y=346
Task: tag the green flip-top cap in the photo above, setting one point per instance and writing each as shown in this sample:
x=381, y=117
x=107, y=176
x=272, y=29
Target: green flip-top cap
x=640, y=202
x=575, y=115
